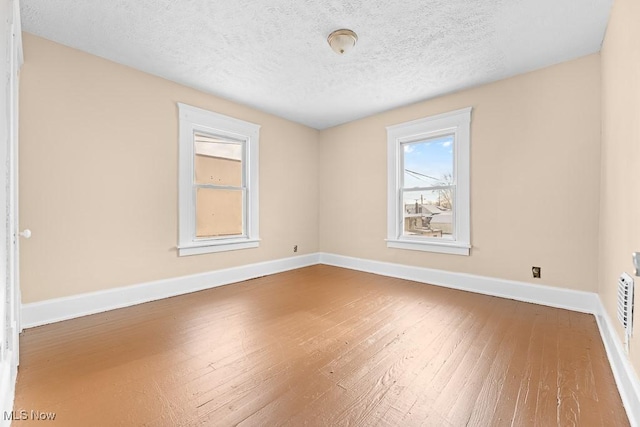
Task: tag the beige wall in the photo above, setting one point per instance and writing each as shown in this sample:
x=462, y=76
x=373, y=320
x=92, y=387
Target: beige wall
x=620, y=188
x=98, y=176
x=99, y=184
x=535, y=149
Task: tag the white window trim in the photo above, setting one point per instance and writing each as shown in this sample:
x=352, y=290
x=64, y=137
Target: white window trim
x=193, y=119
x=456, y=122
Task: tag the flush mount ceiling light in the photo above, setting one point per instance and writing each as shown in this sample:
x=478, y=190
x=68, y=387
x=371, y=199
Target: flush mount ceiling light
x=342, y=41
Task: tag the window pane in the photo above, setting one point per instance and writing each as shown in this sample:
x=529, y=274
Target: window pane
x=428, y=213
x=218, y=161
x=428, y=163
x=218, y=212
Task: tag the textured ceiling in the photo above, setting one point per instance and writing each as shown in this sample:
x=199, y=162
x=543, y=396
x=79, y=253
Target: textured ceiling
x=274, y=55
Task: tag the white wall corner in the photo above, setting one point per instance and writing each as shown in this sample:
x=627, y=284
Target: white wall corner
x=58, y=309
x=623, y=372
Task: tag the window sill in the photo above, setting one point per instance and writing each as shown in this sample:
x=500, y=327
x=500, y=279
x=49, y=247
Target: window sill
x=452, y=248
x=217, y=246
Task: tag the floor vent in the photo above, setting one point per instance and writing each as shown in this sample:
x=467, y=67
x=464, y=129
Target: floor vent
x=625, y=306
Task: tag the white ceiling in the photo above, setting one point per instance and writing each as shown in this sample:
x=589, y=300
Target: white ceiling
x=274, y=56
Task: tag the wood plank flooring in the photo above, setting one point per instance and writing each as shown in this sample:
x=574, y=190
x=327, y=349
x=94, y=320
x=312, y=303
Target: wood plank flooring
x=321, y=346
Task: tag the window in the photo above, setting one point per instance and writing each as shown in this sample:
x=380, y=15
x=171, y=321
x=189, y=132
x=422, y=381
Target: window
x=428, y=188
x=218, y=189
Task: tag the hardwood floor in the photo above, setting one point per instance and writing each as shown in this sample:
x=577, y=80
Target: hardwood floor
x=321, y=346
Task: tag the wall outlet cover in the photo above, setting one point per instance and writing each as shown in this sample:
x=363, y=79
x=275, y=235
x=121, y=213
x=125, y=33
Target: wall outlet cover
x=536, y=272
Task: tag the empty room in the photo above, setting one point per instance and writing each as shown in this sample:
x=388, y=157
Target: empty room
x=327, y=213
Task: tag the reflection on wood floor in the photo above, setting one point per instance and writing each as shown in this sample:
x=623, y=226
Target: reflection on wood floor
x=321, y=346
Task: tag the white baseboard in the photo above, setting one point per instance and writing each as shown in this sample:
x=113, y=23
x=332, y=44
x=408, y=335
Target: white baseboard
x=623, y=372
x=585, y=302
x=57, y=309
x=8, y=373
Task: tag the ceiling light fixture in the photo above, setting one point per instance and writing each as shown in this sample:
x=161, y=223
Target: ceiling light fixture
x=342, y=41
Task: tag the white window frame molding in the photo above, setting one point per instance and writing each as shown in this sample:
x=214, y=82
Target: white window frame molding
x=458, y=123
x=191, y=120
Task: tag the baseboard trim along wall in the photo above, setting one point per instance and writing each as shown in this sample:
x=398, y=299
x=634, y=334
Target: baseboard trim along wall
x=624, y=374
x=54, y=310
x=585, y=302
x=58, y=309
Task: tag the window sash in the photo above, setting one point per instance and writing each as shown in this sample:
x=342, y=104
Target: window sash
x=426, y=137
x=244, y=233
x=221, y=139
x=401, y=205
x=416, y=139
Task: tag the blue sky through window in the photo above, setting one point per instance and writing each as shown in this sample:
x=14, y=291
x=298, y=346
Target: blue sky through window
x=427, y=162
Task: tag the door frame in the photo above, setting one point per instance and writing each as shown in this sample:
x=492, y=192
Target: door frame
x=10, y=299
